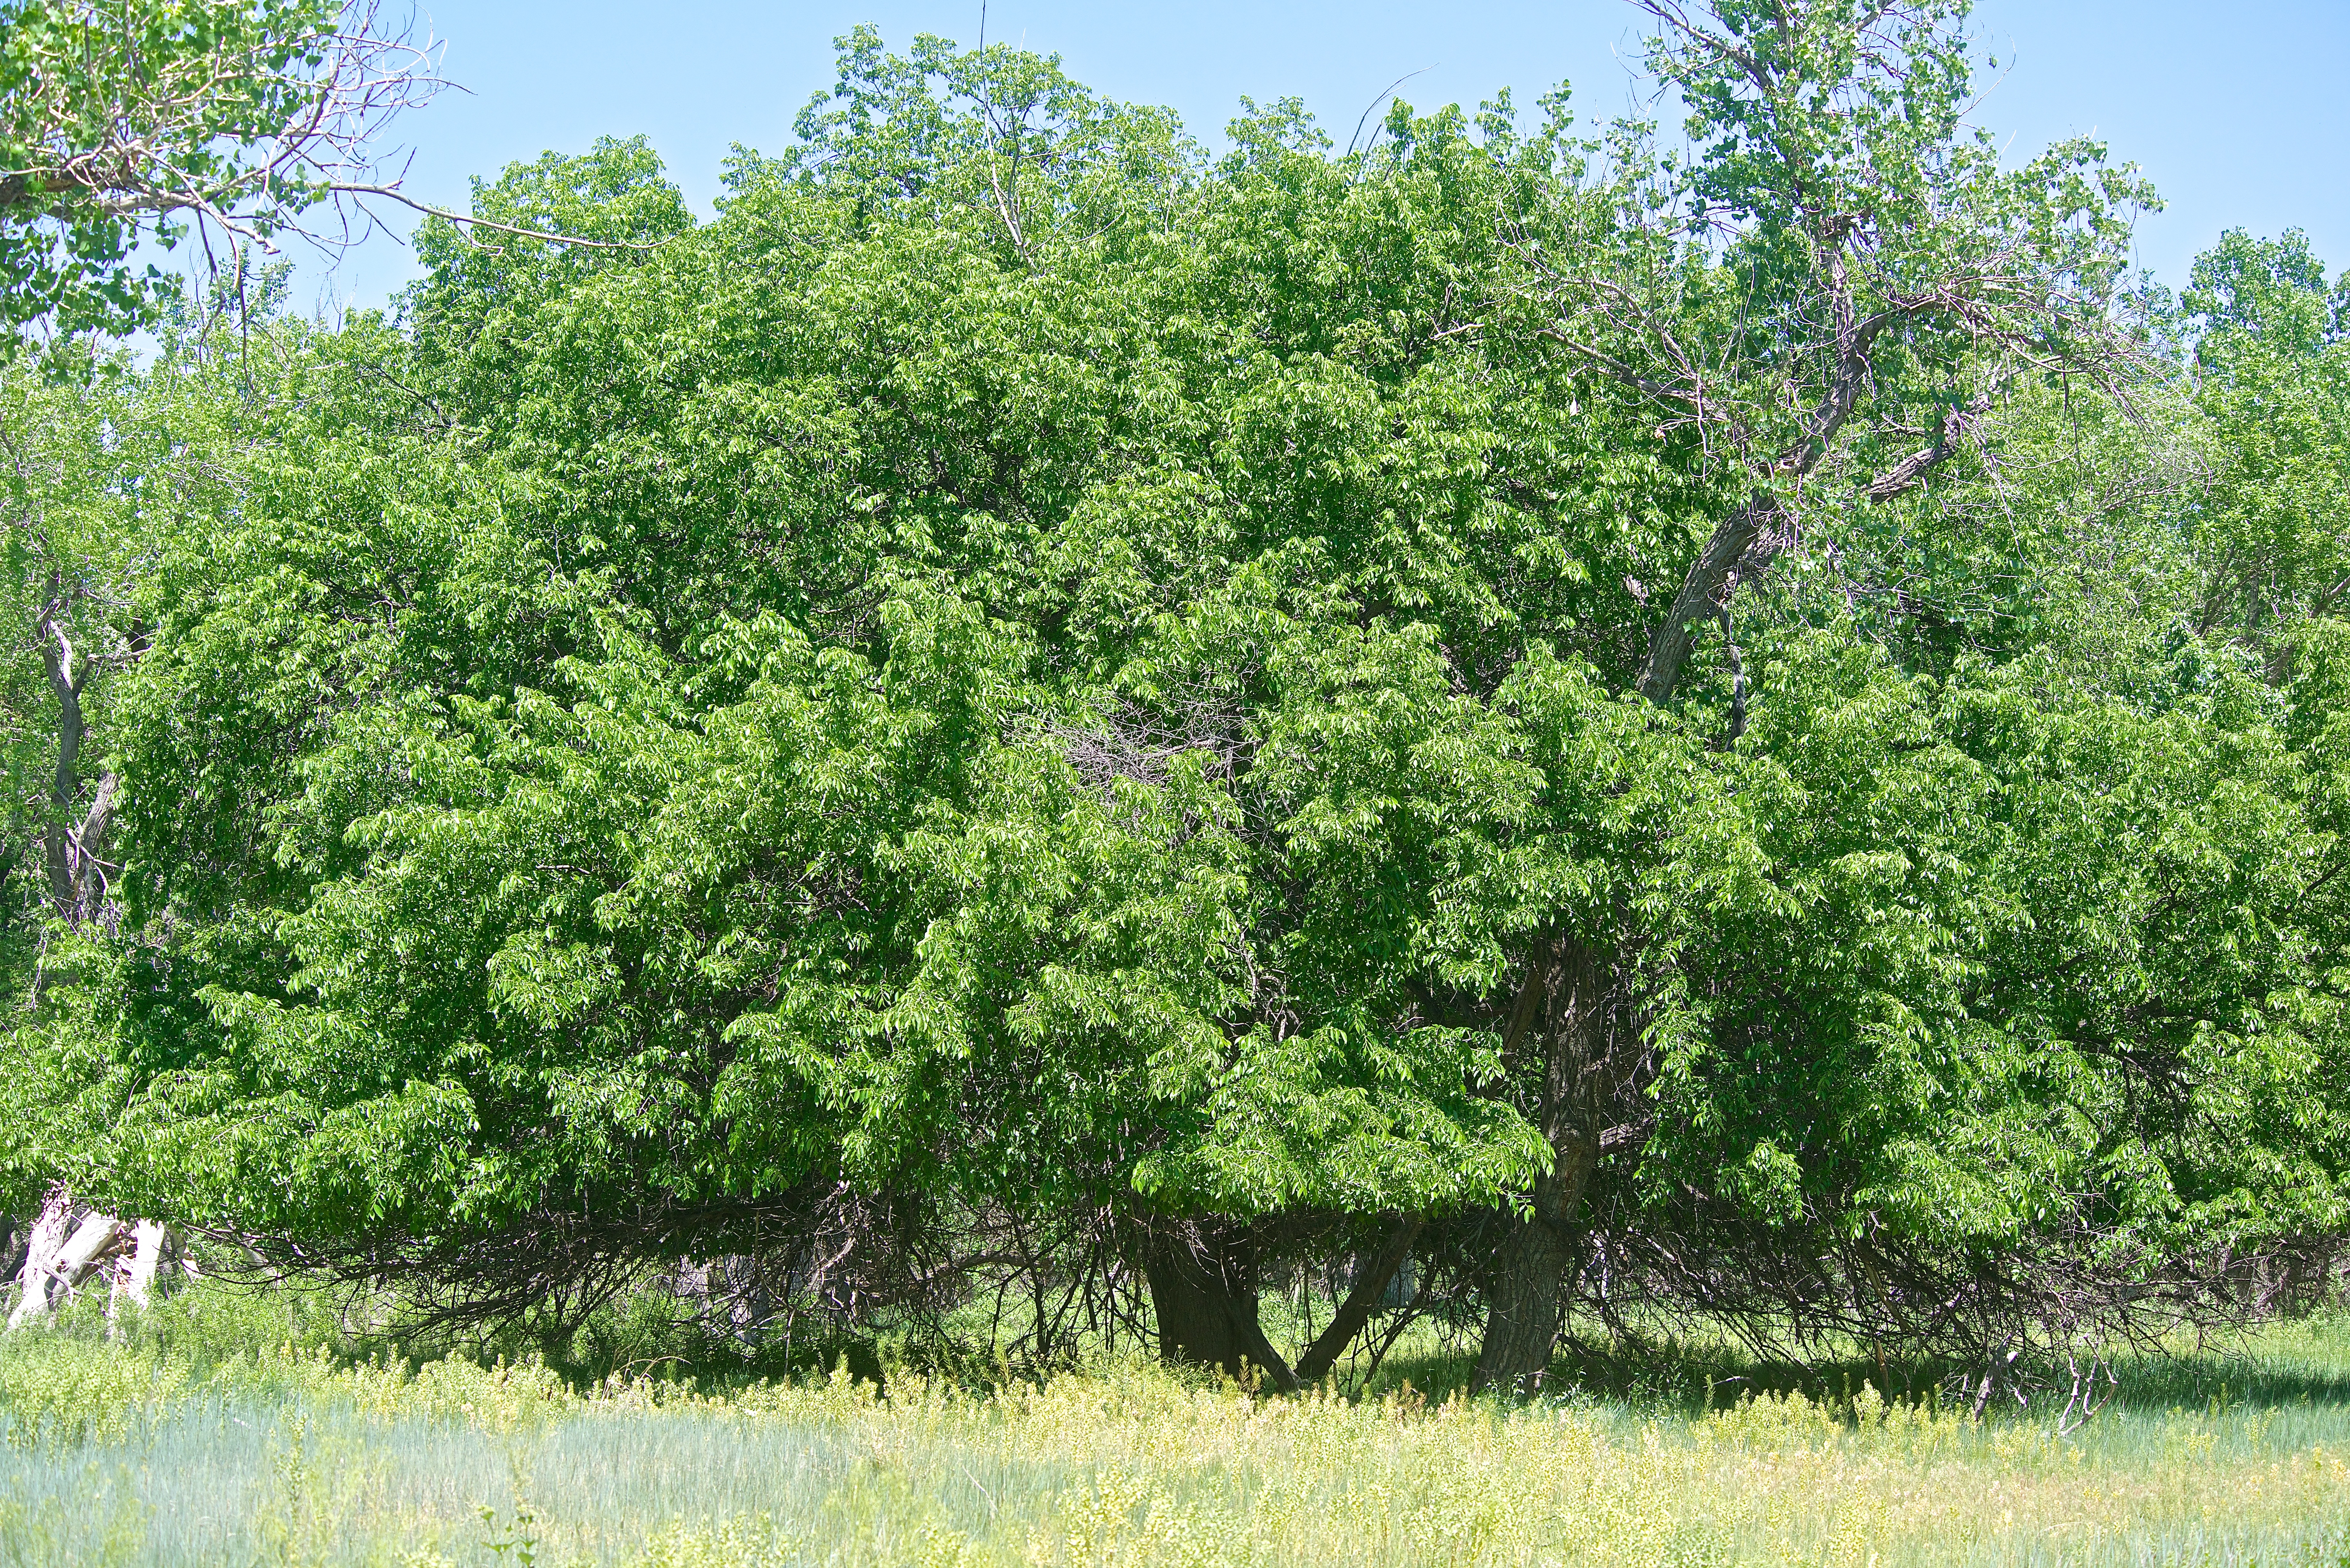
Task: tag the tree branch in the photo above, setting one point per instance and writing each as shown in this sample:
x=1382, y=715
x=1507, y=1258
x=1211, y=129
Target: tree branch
x=1370, y=1286
x=1906, y=474
x=1743, y=545
x=392, y=193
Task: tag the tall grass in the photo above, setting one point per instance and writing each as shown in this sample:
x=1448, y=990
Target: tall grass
x=189, y=1452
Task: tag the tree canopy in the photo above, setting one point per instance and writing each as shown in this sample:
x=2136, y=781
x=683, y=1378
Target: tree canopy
x=1749, y=728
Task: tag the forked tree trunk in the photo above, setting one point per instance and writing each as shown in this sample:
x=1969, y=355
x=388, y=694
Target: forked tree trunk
x=1567, y=997
x=1369, y=1289
x=1202, y=1277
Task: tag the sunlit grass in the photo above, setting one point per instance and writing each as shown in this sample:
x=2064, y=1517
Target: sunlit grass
x=162, y=1456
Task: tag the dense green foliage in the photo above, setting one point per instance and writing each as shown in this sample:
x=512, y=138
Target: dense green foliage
x=1024, y=674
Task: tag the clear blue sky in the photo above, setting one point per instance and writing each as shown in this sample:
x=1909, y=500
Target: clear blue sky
x=2241, y=114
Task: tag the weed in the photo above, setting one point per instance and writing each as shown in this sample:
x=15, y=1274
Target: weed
x=296, y=1455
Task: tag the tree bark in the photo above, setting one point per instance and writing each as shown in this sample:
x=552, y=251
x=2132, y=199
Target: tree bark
x=1523, y=1302
x=1202, y=1277
x=65, y=682
x=76, y=869
x=152, y=1244
x=48, y=1238
x=1370, y=1286
x=97, y=1237
x=1744, y=543
x=1742, y=546
x=1572, y=981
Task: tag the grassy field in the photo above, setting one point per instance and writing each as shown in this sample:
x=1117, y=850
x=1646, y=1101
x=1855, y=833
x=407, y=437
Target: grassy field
x=176, y=1453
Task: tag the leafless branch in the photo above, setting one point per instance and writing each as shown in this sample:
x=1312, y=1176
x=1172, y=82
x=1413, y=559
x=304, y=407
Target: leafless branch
x=253, y=136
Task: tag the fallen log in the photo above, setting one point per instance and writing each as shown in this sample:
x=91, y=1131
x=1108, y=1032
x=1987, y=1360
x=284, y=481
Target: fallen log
x=68, y=1244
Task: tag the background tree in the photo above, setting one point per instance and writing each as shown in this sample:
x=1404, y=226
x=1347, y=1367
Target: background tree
x=1824, y=298
x=2274, y=374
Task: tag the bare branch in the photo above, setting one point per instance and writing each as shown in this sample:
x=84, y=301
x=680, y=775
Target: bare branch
x=394, y=193
x=276, y=115
x=1911, y=470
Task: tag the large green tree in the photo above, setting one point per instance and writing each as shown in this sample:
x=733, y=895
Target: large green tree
x=1023, y=679
x=1824, y=295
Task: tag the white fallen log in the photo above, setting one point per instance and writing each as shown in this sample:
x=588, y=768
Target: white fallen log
x=53, y=1274
x=68, y=1244
x=95, y=1240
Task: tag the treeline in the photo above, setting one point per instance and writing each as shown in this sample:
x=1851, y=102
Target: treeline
x=1032, y=730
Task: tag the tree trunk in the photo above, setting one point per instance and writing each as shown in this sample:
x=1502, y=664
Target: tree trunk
x=65, y=681
x=1572, y=983
x=97, y=1239
x=1202, y=1277
x=1526, y=1296
x=1741, y=548
x=76, y=868
x=1370, y=1286
x=152, y=1245
x=48, y=1238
